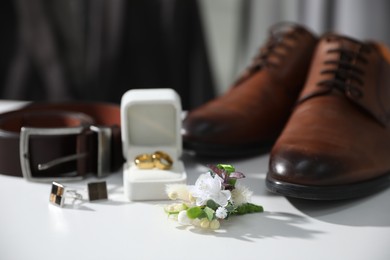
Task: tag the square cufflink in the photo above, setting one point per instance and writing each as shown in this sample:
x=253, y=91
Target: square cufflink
x=57, y=194
x=97, y=191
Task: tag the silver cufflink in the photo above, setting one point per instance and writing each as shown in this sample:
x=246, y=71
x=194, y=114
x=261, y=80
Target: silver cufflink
x=58, y=193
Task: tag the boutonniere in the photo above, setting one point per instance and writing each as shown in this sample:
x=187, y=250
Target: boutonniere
x=215, y=197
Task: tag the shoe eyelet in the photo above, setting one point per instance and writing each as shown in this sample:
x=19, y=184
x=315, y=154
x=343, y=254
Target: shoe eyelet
x=353, y=92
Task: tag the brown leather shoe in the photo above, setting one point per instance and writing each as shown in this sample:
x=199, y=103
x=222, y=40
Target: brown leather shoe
x=251, y=115
x=336, y=144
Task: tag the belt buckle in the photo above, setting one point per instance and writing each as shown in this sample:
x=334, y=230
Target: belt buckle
x=25, y=134
x=103, y=149
x=103, y=153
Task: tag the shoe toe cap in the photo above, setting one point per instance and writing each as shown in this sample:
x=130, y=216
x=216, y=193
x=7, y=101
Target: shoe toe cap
x=305, y=168
x=202, y=127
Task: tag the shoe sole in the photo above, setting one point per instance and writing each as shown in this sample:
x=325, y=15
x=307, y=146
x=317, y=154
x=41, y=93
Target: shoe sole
x=227, y=151
x=338, y=192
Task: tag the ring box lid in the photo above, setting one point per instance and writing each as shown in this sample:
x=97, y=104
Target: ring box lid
x=151, y=121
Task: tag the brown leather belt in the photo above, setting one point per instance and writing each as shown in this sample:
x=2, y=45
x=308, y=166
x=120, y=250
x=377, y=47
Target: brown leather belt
x=61, y=141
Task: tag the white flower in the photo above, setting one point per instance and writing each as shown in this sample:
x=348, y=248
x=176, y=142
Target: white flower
x=183, y=219
x=177, y=191
x=221, y=213
x=207, y=188
x=241, y=195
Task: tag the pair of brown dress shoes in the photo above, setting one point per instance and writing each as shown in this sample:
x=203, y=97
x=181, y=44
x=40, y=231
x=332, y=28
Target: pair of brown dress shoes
x=323, y=105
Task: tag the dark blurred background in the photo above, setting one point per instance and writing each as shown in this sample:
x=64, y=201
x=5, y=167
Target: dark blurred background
x=95, y=50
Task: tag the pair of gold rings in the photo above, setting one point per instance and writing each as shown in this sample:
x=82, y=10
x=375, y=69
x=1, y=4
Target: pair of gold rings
x=158, y=160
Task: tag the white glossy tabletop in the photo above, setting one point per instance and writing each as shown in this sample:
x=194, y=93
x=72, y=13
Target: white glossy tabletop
x=31, y=228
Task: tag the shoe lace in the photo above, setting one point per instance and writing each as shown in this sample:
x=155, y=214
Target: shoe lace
x=347, y=75
x=276, y=41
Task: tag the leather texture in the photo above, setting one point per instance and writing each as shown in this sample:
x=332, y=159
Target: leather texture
x=338, y=136
x=48, y=148
x=252, y=113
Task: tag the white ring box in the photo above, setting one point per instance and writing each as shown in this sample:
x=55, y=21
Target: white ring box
x=151, y=121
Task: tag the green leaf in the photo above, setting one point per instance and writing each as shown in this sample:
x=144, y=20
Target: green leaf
x=212, y=204
x=248, y=208
x=230, y=208
x=232, y=182
x=194, y=212
x=209, y=213
x=227, y=167
x=176, y=209
x=172, y=212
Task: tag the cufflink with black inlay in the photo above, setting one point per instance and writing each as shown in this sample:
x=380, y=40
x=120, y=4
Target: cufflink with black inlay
x=96, y=191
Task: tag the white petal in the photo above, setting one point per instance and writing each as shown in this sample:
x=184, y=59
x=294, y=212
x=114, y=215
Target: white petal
x=183, y=219
x=222, y=197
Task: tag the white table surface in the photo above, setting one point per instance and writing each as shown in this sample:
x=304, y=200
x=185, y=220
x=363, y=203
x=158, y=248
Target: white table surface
x=31, y=228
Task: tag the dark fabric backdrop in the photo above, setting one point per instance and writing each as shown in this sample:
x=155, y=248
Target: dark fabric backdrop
x=96, y=50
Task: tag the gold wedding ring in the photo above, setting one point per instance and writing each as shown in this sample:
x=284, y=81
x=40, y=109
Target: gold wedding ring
x=158, y=160
x=162, y=160
x=144, y=161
